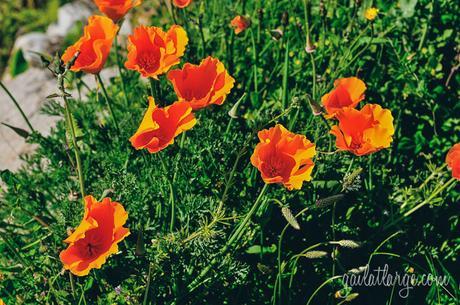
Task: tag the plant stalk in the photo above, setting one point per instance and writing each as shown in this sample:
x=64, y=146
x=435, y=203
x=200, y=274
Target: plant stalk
x=108, y=101
x=17, y=106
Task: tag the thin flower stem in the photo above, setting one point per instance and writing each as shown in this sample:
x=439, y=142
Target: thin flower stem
x=308, y=44
x=235, y=237
x=203, y=40
x=120, y=71
x=152, y=88
x=255, y=74
x=71, y=127
x=147, y=286
x=321, y=286
x=17, y=106
x=72, y=285
x=108, y=101
x=171, y=196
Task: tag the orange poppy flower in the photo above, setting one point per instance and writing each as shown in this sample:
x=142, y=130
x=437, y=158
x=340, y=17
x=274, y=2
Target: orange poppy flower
x=240, y=23
x=160, y=126
x=94, y=46
x=284, y=157
x=202, y=85
x=152, y=52
x=116, y=9
x=97, y=236
x=1, y=302
x=347, y=92
x=364, y=131
x=453, y=160
x=182, y=3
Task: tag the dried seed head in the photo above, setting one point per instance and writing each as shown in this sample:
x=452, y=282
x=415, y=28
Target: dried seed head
x=346, y=243
x=290, y=218
x=260, y=14
x=316, y=108
x=314, y=254
x=309, y=47
x=285, y=18
x=351, y=297
x=276, y=34
x=358, y=270
x=352, y=181
x=264, y=268
x=324, y=202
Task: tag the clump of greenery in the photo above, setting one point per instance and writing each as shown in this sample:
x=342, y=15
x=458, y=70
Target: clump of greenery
x=354, y=212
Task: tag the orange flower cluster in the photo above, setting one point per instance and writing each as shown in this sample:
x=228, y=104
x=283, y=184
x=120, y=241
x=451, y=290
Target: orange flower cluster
x=152, y=53
x=284, y=157
x=363, y=131
x=453, y=160
x=97, y=236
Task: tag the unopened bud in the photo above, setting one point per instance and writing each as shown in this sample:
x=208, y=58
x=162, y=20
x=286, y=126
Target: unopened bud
x=276, y=34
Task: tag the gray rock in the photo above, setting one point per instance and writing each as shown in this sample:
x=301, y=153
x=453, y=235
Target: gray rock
x=68, y=15
x=33, y=42
x=30, y=90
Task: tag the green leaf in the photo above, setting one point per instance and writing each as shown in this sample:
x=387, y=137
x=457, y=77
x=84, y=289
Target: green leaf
x=18, y=63
x=19, y=131
x=256, y=249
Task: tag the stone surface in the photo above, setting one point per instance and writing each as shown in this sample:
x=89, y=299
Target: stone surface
x=68, y=15
x=33, y=42
x=30, y=90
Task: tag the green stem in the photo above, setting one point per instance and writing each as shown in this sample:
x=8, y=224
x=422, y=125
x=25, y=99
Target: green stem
x=71, y=127
x=76, y=149
x=17, y=106
x=152, y=88
x=108, y=101
x=147, y=287
x=120, y=71
x=203, y=40
x=72, y=285
x=256, y=78
x=171, y=196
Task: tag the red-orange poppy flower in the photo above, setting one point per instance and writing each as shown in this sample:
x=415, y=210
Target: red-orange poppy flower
x=364, y=131
x=152, y=52
x=97, y=236
x=182, y=3
x=160, y=126
x=94, y=46
x=284, y=157
x=453, y=160
x=202, y=85
x=347, y=92
x=240, y=23
x=116, y=9
x=1, y=302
